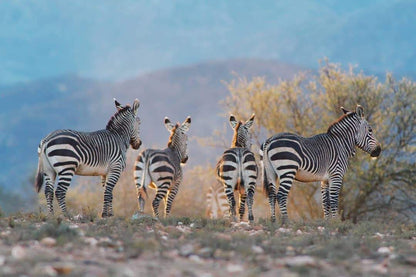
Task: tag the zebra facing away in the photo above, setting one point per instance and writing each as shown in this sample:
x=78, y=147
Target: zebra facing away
x=64, y=153
x=237, y=169
x=217, y=202
x=161, y=169
x=323, y=157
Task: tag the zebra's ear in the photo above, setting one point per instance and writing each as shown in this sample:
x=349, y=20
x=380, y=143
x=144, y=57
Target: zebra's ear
x=360, y=111
x=344, y=110
x=136, y=105
x=250, y=121
x=169, y=124
x=233, y=121
x=186, y=124
x=118, y=105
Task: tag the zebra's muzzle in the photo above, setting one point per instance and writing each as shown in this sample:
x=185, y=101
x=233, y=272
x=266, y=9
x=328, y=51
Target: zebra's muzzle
x=376, y=152
x=136, y=145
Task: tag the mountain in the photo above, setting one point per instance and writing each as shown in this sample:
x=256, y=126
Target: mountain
x=29, y=111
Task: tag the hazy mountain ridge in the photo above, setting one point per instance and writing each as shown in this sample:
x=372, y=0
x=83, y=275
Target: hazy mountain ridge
x=30, y=111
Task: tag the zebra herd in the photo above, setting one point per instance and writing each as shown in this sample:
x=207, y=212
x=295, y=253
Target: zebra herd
x=284, y=157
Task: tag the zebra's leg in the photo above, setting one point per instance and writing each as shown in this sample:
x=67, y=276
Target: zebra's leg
x=250, y=198
x=231, y=201
x=103, y=180
x=171, y=197
x=161, y=192
x=325, y=199
x=111, y=181
x=286, y=181
x=64, y=180
x=241, y=211
x=335, y=184
x=49, y=194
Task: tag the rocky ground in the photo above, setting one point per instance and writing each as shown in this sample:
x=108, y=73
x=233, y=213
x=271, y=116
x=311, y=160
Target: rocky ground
x=31, y=245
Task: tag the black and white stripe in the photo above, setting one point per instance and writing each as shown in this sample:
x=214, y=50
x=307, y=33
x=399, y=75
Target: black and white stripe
x=323, y=157
x=217, y=202
x=237, y=169
x=161, y=169
x=65, y=153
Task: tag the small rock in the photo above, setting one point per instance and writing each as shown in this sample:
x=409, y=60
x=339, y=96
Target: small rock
x=186, y=250
x=301, y=261
x=18, y=252
x=196, y=259
x=205, y=252
x=321, y=229
x=257, y=249
x=299, y=232
x=2, y=260
x=385, y=250
x=283, y=230
x=63, y=269
x=45, y=270
x=48, y=242
x=91, y=241
x=234, y=268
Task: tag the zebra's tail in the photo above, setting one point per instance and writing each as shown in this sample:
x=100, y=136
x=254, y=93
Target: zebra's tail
x=142, y=190
x=263, y=165
x=39, y=174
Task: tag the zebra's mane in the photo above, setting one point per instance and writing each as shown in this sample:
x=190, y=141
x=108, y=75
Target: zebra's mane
x=172, y=133
x=235, y=137
x=341, y=118
x=113, y=119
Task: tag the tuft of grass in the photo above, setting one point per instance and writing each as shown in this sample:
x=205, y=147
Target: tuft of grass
x=58, y=230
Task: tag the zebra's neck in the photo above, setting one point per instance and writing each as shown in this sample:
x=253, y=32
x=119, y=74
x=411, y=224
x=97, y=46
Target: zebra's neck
x=122, y=134
x=178, y=147
x=343, y=132
x=239, y=140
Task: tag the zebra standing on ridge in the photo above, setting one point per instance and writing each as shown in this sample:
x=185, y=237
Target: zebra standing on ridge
x=161, y=169
x=217, y=202
x=237, y=169
x=323, y=157
x=64, y=153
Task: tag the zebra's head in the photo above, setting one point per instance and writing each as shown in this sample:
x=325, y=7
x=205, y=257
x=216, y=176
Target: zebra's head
x=364, y=137
x=241, y=131
x=178, y=139
x=126, y=121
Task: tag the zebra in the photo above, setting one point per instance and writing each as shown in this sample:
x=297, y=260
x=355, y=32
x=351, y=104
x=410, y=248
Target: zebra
x=237, y=169
x=217, y=202
x=323, y=157
x=65, y=153
x=161, y=169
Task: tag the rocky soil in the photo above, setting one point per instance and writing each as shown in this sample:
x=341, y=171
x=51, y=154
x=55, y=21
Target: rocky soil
x=31, y=245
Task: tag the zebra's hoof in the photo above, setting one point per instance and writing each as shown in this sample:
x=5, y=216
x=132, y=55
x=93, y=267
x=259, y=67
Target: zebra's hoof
x=104, y=215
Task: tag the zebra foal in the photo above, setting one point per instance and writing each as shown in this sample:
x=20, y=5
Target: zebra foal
x=65, y=153
x=323, y=157
x=237, y=169
x=161, y=169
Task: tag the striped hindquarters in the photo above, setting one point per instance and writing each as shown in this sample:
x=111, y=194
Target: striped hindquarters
x=217, y=203
x=237, y=169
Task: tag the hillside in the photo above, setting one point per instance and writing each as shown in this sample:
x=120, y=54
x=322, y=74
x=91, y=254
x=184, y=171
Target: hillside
x=31, y=110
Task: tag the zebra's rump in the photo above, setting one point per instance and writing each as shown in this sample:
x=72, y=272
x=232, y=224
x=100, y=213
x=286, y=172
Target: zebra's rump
x=236, y=166
x=157, y=165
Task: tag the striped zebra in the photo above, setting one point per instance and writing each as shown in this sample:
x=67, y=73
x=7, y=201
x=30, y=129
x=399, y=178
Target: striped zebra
x=237, y=169
x=65, y=153
x=323, y=157
x=161, y=169
x=217, y=202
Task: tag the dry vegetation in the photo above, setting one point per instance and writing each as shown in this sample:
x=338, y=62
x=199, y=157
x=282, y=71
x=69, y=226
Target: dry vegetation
x=181, y=246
